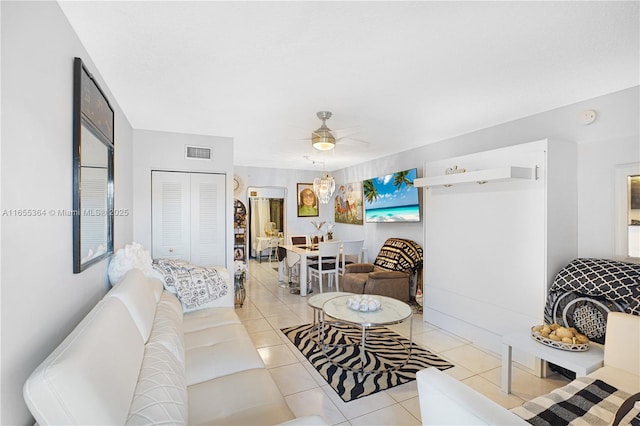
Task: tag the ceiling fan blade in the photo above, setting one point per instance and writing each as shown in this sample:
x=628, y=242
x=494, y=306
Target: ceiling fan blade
x=346, y=132
x=351, y=141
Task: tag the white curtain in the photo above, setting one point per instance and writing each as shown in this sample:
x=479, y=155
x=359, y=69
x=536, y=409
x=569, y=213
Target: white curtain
x=260, y=215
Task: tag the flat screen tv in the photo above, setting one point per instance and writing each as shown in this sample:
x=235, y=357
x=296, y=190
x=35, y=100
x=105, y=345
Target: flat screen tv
x=392, y=198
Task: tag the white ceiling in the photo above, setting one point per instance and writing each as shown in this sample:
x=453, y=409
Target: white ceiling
x=405, y=74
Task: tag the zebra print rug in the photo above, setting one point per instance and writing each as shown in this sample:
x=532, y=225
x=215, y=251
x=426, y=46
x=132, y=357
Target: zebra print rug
x=383, y=350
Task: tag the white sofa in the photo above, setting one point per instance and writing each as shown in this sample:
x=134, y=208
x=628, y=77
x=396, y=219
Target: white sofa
x=137, y=359
x=446, y=401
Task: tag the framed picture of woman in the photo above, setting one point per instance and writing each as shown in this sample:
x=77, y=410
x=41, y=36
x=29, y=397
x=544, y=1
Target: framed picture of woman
x=307, y=200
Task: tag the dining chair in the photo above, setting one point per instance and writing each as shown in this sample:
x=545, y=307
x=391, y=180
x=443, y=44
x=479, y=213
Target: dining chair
x=291, y=259
x=298, y=240
x=329, y=253
x=351, y=253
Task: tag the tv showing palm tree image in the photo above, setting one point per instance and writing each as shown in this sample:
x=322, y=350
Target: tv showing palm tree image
x=392, y=198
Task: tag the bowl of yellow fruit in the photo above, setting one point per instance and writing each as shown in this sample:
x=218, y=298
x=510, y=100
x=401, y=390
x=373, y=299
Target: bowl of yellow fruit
x=559, y=337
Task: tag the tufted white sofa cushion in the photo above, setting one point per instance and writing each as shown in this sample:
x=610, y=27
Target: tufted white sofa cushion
x=161, y=393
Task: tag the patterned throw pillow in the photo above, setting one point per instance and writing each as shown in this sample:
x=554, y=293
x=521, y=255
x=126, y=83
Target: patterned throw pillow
x=398, y=254
x=586, y=290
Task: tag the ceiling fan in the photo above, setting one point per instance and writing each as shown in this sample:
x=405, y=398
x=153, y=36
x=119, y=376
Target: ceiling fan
x=323, y=138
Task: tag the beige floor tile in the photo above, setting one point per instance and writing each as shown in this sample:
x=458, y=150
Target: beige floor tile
x=285, y=319
x=248, y=311
x=526, y=385
x=413, y=406
x=257, y=325
x=492, y=392
x=472, y=358
x=270, y=309
x=277, y=356
x=314, y=402
x=419, y=327
x=459, y=372
x=360, y=406
x=344, y=424
x=395, y=415
x=438, y=340
x=292, y=379
x=262, y=339
x=404, y=391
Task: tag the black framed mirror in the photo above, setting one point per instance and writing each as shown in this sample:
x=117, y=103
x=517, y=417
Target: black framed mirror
x=93, y=144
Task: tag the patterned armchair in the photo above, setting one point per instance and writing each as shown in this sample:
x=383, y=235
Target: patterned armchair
x=390, y=273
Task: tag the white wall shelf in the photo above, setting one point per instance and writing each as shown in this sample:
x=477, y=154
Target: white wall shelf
x=479, y=176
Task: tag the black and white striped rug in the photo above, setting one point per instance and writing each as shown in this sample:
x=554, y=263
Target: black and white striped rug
x=384, y=350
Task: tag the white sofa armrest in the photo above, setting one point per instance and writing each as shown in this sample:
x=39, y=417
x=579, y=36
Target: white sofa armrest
x=447, y=401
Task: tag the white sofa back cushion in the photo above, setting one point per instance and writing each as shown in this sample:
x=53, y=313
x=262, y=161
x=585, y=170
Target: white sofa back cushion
x=91, y=376
x=140, y=295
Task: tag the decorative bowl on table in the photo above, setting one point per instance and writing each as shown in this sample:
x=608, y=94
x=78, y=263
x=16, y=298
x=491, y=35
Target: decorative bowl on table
x=559, y=337
x=363, y=303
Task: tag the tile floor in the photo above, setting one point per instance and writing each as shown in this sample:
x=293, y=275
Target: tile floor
x=269, y=307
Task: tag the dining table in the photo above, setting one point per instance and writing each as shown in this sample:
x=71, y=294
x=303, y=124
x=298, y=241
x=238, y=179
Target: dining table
x=304, y=251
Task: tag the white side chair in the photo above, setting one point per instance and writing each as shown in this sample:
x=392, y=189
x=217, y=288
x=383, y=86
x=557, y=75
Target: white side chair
x=328, y=264
x=351, y=253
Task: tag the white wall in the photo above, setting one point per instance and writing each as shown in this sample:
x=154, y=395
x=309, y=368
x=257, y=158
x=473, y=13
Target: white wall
x=153, y=150
x=612, y=139
x=42, y=300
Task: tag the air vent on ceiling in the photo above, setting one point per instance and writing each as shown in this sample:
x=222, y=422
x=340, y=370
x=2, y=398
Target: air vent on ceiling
x=197, y=152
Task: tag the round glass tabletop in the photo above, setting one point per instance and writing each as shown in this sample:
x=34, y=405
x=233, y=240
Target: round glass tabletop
x=318, y=300
x=392, y=311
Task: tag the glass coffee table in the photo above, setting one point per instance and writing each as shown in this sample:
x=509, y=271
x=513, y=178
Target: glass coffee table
x=392, y=311
x=316, y=303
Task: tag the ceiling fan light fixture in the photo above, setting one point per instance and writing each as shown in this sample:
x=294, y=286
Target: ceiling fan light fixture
x=323, y=140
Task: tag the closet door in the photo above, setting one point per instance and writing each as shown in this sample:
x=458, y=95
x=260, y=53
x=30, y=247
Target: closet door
x=188, y=217
x=170, y=215
x=207, y=219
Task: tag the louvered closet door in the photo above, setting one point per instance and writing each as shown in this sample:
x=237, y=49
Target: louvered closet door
x=188, y=220
x=207, y=219
x=171, y=215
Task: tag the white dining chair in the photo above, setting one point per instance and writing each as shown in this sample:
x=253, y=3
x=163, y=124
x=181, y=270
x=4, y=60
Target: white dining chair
x=351, y=253
x=328, y=264
x=292, y=260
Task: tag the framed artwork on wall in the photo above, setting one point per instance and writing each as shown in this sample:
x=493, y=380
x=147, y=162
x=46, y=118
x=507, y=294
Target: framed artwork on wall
x=307, y=200
x=348, y=206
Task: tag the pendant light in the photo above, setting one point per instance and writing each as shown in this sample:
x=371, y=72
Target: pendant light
x=324, y=187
